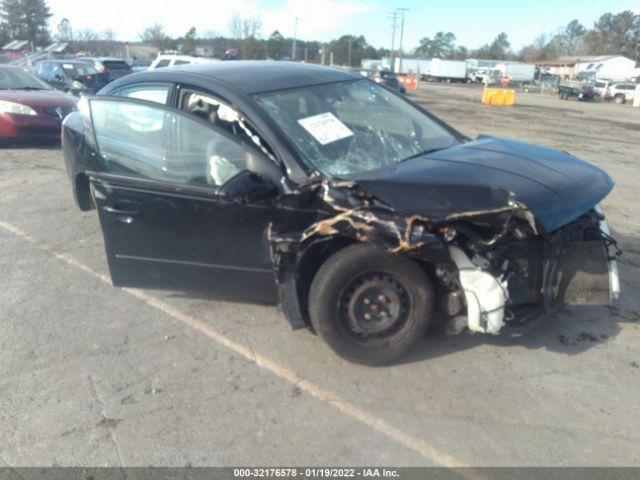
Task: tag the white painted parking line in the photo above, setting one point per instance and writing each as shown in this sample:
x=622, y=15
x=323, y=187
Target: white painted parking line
x=326, y=396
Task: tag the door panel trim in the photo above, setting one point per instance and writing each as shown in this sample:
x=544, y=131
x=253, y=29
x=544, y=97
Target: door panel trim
x=194, y=264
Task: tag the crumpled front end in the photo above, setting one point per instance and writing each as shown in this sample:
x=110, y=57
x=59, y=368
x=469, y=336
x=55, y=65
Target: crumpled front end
x=574, y=265
x=490, y=264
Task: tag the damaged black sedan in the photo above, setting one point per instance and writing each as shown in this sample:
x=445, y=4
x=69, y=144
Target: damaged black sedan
x=358, y=212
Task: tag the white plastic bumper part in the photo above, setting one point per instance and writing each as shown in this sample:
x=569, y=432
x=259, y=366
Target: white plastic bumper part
x=485, y=295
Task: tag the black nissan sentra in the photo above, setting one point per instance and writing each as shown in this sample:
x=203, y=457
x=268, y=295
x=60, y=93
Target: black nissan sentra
x=361, y=214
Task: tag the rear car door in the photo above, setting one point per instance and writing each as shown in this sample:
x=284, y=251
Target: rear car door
x=160, y=197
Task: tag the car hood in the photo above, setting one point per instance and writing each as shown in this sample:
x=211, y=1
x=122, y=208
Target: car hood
x=39, y=98
x=486, y=174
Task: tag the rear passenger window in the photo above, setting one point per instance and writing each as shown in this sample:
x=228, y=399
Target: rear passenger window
x=181, y=62
x=153, y=93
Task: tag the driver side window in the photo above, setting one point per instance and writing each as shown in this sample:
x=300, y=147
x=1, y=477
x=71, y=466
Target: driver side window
x=146, y=141
x=226, y=160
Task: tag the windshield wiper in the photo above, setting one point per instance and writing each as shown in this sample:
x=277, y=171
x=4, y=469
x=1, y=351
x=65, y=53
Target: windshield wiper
x=426, y=152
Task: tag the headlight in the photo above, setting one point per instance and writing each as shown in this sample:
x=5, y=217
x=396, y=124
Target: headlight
x=17, y=108
x=78, y=85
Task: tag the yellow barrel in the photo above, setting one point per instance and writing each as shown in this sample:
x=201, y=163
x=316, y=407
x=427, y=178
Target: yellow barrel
x=498, y=96
x=636, y=97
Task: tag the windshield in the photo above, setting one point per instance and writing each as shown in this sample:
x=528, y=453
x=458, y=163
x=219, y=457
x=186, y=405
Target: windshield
x=78, y=69
x=355, y=126
x=16, y=79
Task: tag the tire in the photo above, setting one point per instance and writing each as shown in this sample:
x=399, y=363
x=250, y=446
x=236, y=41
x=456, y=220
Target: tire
x=361, y=275
x=618, y=99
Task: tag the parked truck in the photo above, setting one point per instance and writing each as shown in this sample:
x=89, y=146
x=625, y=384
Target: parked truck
x=447, y=71
x=576, y=89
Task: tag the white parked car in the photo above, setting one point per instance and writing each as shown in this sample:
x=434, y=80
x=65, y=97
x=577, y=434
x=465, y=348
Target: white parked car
x=172, y=60
x=620, y=92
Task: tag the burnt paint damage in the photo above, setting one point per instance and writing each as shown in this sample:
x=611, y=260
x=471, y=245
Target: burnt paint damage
x=482, y=244
x=347, y=214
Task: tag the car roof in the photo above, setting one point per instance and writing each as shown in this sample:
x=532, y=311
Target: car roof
x=61, y=61
x=251, y=76
x=102, y=59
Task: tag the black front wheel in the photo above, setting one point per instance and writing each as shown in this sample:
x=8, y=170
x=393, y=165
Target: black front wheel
x=370, y=306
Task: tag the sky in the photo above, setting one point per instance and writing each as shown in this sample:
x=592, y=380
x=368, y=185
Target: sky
x=474, y=23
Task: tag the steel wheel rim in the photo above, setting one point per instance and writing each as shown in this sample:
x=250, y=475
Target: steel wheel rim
x=374, y=305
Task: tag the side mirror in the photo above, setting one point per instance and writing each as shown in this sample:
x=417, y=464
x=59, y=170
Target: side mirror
x=248, y=187
x=57, y=76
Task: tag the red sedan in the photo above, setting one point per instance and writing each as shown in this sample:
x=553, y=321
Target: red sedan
x=29, y=108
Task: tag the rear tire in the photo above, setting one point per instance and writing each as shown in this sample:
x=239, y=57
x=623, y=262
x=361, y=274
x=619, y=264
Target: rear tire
x=370, y=306
x=619, y=99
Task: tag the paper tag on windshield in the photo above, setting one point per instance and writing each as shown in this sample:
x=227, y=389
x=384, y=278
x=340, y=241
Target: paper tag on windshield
x=325, y=128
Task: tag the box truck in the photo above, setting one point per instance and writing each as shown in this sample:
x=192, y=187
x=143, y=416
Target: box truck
x=447, y=71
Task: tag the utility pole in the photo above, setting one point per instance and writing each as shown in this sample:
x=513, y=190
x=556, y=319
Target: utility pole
x=349, y=51
x=295, y=34
x=394, y=19
x=401, y=10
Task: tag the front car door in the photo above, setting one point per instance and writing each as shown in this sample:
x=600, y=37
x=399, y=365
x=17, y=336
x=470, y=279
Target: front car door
x=165, y=220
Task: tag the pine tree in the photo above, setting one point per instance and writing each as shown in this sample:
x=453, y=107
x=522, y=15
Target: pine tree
x=11, y=18
x=26, y=20
x=36, y=16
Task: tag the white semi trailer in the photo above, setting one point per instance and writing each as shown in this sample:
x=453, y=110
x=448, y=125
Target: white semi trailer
x=413, y=66
x=447, y=71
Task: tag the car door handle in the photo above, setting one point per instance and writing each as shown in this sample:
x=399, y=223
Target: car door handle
x=117, y=211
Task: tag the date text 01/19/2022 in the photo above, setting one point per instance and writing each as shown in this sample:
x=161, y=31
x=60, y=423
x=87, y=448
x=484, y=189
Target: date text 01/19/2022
x=315, y=472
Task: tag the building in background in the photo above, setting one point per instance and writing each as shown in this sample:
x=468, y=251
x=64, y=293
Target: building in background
x=612, y=67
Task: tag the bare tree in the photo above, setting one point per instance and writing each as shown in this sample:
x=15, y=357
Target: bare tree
x=156, y=36
x=109, y=35
x=235, y=26
x=64, y=30
x=247, y=29
x=251, y=27
x=86, y=35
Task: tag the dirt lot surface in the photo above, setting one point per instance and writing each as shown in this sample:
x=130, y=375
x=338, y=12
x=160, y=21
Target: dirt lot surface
x=95, y=375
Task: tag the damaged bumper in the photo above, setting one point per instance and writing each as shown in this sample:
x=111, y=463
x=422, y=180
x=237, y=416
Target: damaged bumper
x=577, y=265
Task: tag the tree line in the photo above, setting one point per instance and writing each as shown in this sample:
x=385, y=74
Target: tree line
x=611, y=34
